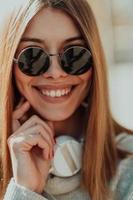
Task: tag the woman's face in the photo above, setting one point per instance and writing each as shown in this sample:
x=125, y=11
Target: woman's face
x=53, y=30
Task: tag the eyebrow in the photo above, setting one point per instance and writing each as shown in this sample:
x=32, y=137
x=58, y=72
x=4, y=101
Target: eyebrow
x=28, y=39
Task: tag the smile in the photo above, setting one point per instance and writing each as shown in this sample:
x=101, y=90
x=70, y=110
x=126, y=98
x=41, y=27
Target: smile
x=56, y=93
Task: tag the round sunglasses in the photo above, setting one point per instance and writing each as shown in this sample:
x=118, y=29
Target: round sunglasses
x=34, y=61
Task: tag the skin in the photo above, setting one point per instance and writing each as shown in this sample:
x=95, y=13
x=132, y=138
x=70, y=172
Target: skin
x=62, y=114
x=31, y=143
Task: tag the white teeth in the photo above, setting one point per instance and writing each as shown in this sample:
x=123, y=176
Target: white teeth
x=56, y=93
x=47, y=93
x=63, y=91
x=67, y=91
x=52, y=93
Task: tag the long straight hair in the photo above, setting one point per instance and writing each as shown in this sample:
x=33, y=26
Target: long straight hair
x=100, y=151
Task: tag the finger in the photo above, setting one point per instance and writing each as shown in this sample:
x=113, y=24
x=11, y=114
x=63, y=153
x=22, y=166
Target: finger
x=36, y=120
x=51, y=124
x=27, y=140
x=46, y=137
x=15, y=125
x=39, y=129
x=19, y=113
x=36, y=139
x=50, y=130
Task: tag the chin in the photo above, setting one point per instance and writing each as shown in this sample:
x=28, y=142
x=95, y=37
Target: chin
x=54, y=115
x=57, y=113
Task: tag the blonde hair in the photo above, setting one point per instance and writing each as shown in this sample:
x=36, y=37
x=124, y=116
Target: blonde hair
x=100, y=152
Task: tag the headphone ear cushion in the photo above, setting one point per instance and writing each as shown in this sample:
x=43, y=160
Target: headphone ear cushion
x=67, y=158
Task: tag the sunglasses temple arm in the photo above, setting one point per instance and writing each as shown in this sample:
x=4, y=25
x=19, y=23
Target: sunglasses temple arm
x=15, y=60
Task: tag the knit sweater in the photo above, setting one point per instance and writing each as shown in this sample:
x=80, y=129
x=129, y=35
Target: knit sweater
x=69, y=188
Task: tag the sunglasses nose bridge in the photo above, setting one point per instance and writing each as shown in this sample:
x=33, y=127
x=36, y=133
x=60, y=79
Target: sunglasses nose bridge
x=55, y=68
x=55, y=55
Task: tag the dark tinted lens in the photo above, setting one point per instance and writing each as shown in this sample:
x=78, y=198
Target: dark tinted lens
x=33, y=61
x=76, y=60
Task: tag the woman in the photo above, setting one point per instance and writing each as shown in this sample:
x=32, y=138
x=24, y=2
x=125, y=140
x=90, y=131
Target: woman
x=53, y=83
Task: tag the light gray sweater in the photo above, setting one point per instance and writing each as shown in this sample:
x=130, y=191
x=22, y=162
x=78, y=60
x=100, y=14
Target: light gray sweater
x=69, y=188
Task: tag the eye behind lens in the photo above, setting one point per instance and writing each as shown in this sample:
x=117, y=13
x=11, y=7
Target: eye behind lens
x=76, y=60
x=33, y=61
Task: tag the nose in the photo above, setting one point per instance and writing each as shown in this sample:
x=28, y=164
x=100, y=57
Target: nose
x=55, y=71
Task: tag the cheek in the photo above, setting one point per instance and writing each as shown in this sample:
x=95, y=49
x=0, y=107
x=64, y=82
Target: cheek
x=87, y=78
x=84, y=87
x=22, y=81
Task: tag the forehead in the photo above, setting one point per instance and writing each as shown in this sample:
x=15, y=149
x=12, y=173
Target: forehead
x=51, y=23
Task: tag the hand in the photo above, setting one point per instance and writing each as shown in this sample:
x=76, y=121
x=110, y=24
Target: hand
x=31, y=149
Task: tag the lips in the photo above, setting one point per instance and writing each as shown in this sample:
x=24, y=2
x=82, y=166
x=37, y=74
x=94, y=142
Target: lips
x=55, y=94
x=55, y=91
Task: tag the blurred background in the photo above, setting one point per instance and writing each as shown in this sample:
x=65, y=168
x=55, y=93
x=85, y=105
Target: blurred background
x=115, y=22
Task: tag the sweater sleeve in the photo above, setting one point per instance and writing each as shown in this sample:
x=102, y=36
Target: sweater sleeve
x=124, y=185
x=17, y=192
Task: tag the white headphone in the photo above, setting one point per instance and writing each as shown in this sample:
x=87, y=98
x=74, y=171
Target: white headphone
x=67, y=158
